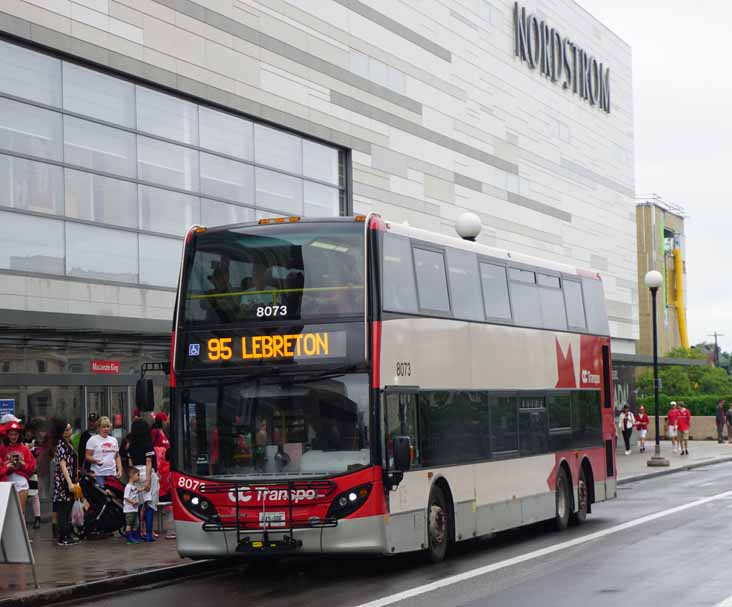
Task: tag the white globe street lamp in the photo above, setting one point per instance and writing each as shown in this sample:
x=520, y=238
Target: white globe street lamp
x=654, y=280
x=468, y=226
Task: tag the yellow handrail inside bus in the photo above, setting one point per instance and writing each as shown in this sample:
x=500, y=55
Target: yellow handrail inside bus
x=271, y=292
x=679, y=302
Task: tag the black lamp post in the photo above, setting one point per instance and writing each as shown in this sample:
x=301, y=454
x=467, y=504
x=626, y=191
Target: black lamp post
x=653, y=281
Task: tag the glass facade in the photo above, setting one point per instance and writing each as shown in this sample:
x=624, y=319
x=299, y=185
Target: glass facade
x=100, y=178
x=80, y=147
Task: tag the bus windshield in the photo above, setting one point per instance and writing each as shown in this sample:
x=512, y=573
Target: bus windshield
x=275, y=427
x=283, y=271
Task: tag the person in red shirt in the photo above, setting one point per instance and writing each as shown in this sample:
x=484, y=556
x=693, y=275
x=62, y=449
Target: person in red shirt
x=672, y=418
x=161, y=444
x=683, y=423
x=19, y=462
x=641, y=422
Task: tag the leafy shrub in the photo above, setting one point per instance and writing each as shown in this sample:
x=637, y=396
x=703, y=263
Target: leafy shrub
x=698, y=404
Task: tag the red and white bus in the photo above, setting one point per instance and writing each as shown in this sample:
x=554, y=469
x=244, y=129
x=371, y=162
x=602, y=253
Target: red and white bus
x=351, y=385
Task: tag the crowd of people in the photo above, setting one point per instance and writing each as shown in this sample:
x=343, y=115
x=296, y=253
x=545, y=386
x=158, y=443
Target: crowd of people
x=131, y=477
x=678, y=425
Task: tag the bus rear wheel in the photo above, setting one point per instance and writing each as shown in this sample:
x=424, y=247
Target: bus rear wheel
x=583, y=499
x=563, y=500
x=438, y=525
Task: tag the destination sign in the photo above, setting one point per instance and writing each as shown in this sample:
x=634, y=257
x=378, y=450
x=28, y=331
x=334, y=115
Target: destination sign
x=273, y=347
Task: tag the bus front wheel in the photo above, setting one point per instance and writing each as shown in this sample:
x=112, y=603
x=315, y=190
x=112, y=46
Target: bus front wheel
x=438, y=525
x=563, y=500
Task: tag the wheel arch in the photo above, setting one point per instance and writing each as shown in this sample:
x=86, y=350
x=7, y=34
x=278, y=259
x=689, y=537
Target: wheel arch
x=586, y=467
x=442, y=483
x=564, y=465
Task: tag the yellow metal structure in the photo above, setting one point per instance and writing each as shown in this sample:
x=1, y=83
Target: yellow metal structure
x=679, y=299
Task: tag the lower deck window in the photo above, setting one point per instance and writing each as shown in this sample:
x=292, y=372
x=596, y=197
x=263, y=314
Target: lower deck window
x=457, y=427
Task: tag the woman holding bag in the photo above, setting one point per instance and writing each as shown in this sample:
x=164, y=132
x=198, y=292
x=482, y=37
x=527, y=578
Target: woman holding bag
x=64, y=478
x=625, y=424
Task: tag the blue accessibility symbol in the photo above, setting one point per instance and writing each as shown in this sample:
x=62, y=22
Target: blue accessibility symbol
x=194, y=349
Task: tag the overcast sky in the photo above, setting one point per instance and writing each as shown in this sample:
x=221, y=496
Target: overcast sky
x=683, y=134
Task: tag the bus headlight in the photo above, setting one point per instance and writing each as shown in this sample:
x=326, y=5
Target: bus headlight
x=197, y=505
x=349, y=501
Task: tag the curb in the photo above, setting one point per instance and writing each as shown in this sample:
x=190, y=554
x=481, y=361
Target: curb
x=131, y=580
x=665, y=471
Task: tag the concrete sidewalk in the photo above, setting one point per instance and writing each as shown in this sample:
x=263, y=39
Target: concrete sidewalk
x=91, y=567
x=634, y=467
x=100, y=566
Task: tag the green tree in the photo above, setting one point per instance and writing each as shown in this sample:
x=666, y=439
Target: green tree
x=674, y=380
x=713, y=380
x=685, y=381
x=693, y=352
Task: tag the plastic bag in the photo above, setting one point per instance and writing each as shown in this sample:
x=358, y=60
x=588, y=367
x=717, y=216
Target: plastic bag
x=77, y=514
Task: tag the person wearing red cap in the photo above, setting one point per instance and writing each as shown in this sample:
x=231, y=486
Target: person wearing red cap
x=19, y=462
x=3, y=453
x=161, y=445
x=160, y=421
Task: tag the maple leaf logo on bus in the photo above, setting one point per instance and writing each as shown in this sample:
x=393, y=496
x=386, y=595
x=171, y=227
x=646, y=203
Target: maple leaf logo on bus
x=565, y=367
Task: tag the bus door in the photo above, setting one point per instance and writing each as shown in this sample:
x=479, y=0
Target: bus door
x=406, y=528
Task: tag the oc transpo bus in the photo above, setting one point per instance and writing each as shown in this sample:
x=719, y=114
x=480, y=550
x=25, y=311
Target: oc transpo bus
x=352, y=385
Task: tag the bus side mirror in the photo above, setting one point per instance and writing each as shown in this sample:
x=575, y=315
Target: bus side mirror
x=402, y=453
x=144, y=395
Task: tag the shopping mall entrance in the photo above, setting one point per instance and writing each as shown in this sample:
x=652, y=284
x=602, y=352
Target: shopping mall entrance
x=113, y=402
x=72, y=376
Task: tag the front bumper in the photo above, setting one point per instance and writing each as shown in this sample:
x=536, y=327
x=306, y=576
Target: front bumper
x=363, y=535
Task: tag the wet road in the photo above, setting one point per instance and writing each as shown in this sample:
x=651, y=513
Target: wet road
x=631, y=551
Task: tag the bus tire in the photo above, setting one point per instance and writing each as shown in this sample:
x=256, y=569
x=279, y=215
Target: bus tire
x=583, y=499
x=438, y=525
x=563, y=501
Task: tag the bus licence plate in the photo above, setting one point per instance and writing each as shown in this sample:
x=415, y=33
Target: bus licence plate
x=272, y=519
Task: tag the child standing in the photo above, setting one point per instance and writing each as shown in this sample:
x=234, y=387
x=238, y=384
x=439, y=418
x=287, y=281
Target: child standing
x=642, y=422
x=132, y=506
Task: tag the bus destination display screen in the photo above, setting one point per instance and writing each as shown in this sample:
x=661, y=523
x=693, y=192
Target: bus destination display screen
x=243, y=348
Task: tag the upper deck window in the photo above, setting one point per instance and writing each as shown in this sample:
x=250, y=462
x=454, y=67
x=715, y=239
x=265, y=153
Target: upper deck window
x=495, y=291
x=400, y=294
x=525, y=299
x=292, y=272
x=575, y=305
x=553, y=313
x=467, y=301
x=431, y=280
x=595, y=306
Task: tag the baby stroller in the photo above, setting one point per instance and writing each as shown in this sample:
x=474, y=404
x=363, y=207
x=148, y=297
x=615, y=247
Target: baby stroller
x=105, y=515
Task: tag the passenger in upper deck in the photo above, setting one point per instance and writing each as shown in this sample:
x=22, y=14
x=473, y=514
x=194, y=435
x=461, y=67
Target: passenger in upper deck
x=257, y=290
x=221, y=306
x=346, y=293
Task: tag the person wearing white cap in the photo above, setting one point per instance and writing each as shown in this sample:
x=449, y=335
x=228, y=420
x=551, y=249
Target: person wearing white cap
x=672, y=418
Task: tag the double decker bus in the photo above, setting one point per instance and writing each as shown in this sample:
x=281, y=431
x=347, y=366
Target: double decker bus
x=352, y=385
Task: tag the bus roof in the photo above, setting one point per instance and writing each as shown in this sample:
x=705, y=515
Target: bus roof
x=440, y=239
x=460, y=243
x=253, y=224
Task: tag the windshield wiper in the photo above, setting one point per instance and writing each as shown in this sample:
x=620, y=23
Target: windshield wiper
x=268, y=372
x=309, y=376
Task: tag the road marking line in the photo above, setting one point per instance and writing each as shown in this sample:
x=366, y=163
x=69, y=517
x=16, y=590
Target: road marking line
x=467, y=575
x=725, y=603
